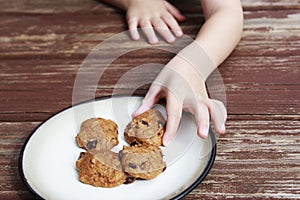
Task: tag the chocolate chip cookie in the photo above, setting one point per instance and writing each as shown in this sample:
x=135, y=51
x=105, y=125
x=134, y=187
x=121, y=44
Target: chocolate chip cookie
x=143, y=162
x=147, y=128
x=97, y=134
x=102, y=169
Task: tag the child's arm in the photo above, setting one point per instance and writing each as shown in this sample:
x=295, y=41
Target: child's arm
x=183, y=84
x=223, y=28
x=151, y=14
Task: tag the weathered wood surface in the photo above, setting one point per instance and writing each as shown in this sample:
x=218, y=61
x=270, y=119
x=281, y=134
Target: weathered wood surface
x=43, y=43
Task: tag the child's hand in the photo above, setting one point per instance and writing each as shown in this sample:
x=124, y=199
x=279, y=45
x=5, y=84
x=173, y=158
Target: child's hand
x=184, y=89
x=157, y=14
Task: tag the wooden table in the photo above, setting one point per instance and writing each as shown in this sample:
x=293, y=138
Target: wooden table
x=43, y=43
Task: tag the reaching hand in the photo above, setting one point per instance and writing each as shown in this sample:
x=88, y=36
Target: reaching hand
x=157, y=14
x=184, y=89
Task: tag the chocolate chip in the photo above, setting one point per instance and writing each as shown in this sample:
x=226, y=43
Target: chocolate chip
x=145, y=123
x=164, y=169
x=129, y=180
x=135, y=143
x=92, y=144
x=131, y=165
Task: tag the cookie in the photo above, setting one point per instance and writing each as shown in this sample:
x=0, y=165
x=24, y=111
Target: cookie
x=147, y=128
x=102, y=169
x=97, y=134
x=143, y=162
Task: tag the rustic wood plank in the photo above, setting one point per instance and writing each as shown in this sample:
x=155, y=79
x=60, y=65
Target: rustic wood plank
x=13, y=136
x=270, y=4
x=256, y=159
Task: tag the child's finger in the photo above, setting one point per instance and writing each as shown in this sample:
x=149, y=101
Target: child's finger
x=202, y=119
x=174, y=112
x=172, y=23
x=218, y=114
x=163, y=30
x=148, y=31
x=132, y=26
x=151, y=98
x=175, y=12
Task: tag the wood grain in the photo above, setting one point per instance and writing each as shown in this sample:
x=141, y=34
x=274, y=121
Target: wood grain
x=43, y=44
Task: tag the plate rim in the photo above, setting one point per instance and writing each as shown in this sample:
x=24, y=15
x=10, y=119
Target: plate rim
x=205, y=172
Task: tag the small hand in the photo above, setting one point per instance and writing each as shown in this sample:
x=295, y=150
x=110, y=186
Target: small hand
x=157, y=14
x=184, y=89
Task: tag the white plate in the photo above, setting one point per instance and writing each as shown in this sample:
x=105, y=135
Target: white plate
x=47, y=160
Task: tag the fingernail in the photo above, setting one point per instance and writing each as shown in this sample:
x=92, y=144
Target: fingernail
x=135, y=37
x=133, y=115
x=167, y=141
x=204, y=131
x=223, y=129
x=171, y=38
x=153, y=40
x=137, y=113
x=178, y=33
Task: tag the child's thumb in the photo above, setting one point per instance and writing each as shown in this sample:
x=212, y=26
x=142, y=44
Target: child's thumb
x=148, y=102
x=219, y=115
